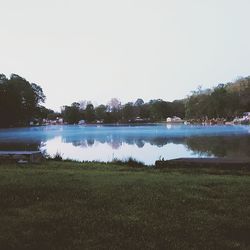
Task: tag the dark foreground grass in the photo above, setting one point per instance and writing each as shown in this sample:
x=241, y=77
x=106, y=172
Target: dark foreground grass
x=65, y=205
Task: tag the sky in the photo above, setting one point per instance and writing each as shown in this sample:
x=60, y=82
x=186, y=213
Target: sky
x=96, y=50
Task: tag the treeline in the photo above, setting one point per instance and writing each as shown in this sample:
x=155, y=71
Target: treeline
x=223, y=101
x=20, y=101
x=114, y=111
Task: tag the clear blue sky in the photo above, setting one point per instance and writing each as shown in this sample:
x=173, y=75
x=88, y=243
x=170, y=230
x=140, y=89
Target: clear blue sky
x=96, y=50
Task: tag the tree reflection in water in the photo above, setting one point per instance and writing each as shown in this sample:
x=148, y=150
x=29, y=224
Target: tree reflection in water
x=221, y=146
x=221, y=141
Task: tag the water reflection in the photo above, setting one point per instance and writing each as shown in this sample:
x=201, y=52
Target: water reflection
x=221, y=146
x=104, y=151
x=144, y=143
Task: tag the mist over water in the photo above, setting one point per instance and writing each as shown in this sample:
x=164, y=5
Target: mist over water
x=146, y=143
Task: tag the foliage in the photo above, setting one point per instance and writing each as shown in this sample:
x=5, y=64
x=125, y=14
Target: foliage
x=58, y=157
x=100, y=112
x=131, y=162
x=113, y=112
x=72, y=114
x=225, y=100
x=90, y=113
x=129, y=111
x=19, y=101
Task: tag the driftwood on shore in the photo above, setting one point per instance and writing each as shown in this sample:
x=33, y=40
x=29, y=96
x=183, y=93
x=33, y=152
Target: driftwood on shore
x=223, y=163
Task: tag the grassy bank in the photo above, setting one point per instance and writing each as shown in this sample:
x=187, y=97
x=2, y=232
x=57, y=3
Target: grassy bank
x=65, y=205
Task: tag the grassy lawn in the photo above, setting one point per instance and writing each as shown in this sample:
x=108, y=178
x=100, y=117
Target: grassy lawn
x=65, y=205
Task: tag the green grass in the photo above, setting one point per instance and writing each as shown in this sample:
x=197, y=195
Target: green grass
x=66, y=205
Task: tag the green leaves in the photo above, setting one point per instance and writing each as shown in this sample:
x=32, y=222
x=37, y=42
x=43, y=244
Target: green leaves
x=19, y=100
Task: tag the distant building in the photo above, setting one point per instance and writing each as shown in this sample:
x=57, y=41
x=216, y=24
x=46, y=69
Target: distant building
x=246, y=115
x=245, y=119
x=57, y=121
x=138, y=119
x=81, y=122
x=60, y=121
x=99, y=121
x=168, y=120
x=174, y=119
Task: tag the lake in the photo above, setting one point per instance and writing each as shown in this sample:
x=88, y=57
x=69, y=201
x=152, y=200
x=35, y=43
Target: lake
x=145, y=143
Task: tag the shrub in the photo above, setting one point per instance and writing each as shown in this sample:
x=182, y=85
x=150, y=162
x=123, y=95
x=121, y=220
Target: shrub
x=131, y=162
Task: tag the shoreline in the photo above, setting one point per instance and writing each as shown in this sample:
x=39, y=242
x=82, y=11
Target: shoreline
x=215, y=162
x=36, y=157
x=130, y=124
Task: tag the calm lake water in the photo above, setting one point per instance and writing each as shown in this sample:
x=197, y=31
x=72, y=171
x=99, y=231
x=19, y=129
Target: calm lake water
x=146, y=143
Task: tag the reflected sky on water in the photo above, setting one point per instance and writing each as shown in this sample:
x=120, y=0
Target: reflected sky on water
x=145, y=143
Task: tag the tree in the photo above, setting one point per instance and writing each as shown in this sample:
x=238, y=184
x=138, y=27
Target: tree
x=43, y=113
x=225, y=100
x=128, y=111
x=114, y=110
x=139, y=102
x=19, y=100
x=144, y=111
x=38, y=93
x=71, y=114
x=114, y=105
x=159, y=110
x=100, y=112
x=90, y=113
x=177, y=108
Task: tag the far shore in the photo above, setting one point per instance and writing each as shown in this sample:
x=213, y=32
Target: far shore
x=127, y=124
